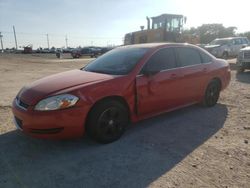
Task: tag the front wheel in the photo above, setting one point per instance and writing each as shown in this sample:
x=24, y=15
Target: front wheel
x=212, y=94
x=107, y=121
x=225, y=55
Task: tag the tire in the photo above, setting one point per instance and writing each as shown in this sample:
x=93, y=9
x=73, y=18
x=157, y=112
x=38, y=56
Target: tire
x=212, y=94
x=225, y=55
x=107, y=121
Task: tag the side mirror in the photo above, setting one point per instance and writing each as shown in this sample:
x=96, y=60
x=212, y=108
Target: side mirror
x=244, y=46
x=151, y=70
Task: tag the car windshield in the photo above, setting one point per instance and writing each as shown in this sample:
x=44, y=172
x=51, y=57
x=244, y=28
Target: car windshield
x=119, y=61
x=220, y=42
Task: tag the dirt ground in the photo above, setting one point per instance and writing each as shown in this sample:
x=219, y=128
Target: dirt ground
x=191, y=147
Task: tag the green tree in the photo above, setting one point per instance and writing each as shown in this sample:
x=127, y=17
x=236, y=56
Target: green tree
x=209, y=32
x=246, y=34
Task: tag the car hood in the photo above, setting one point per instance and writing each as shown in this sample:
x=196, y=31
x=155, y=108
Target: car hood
x=45, y=87
x=212, y=46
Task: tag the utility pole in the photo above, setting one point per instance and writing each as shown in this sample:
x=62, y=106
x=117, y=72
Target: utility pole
x=1, y=36
x=48, y=40
x=66, y=40
x=15, y=35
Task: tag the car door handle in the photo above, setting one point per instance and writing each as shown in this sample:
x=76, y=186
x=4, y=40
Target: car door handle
x=205, y=70
x=173, y=76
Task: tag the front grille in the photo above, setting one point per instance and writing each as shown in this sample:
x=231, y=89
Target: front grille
x=19, y=122
x=21, y=104
x=247, y=55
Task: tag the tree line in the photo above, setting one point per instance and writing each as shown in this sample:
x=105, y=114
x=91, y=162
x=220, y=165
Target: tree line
x=209, y=32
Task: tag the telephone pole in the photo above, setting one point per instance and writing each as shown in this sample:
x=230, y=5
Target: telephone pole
x=15, y=36
x=48, y=40
x=66, y=40
x=1, y=36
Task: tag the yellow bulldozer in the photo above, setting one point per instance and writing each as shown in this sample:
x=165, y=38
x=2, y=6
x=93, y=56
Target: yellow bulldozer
x=163, y=28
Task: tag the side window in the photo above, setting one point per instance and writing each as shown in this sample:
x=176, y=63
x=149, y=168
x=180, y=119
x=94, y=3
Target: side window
x=237, y=41
x=205, y=58
x=245, y=41
x=162, y=60
x=188, y=56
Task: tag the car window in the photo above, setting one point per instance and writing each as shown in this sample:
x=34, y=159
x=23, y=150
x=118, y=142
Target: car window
x=237, y=41
x=163, y=59
x=205, y=57
x=244, y=41
x=119, y=61
x=188, y=56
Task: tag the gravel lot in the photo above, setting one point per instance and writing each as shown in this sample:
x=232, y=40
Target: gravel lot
x=191, y=147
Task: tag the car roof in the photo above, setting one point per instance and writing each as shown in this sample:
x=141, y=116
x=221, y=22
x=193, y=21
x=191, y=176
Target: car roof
x=230, y=38
x=155, y=45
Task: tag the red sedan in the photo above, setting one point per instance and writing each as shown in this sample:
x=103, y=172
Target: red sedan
x=125, y=85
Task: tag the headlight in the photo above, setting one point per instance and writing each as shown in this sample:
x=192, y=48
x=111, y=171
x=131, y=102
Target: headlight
x=57, y=102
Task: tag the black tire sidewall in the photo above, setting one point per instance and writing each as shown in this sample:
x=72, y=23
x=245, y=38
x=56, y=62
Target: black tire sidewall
x=92, y=127
x=205, y=100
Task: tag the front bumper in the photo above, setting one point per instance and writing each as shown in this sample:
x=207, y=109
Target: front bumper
x=60, y=124
x=244, y=63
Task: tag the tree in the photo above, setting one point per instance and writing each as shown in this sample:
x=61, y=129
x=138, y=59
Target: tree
x=246, y=34
x=209, y=32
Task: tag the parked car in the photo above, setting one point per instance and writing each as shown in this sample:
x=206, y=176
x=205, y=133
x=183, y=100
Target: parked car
x=84, y=52
x=124, y=85
x=243, y=59
x=227, y=47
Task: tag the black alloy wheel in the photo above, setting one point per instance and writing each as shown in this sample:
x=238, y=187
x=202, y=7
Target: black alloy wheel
x=107, y=121
x=212, y=94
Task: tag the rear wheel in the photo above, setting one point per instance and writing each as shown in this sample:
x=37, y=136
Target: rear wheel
x=107, y=121
x=212, y=94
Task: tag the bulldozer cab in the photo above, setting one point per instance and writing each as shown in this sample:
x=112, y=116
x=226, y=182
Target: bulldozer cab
x=163, y=28
x=169, y=22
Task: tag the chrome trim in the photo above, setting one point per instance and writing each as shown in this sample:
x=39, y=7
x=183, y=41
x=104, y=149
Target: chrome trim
x=17, y=103
x=165, y=47
x=179, y=68
x=17, y=126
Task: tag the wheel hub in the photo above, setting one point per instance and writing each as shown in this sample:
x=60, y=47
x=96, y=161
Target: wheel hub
x=111, y=122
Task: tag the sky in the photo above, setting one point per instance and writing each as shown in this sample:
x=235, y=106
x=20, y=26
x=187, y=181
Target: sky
x=105, y=22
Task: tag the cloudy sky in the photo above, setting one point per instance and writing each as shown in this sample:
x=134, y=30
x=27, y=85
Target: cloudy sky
x=105, y=22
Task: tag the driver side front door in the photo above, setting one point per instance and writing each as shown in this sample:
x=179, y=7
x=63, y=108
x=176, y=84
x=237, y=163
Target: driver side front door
x=160, y=91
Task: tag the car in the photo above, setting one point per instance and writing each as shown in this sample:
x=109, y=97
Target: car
x=227, y=47
x=77, y=53
x=243, y=59
x=123, y=86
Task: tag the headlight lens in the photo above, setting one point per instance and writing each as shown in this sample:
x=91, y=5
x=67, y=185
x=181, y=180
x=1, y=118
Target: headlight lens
x=57, y=102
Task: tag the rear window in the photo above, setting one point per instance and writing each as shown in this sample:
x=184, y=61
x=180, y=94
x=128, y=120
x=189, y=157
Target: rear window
x=205, y=57
x=188, y=56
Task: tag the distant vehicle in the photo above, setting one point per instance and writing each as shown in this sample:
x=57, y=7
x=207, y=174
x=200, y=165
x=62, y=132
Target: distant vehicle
x=67, y=50
x=92, y=52
x=27, y=49
x=162, y=28
x=227, y=47
x=125, y=85
x=243, y=59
